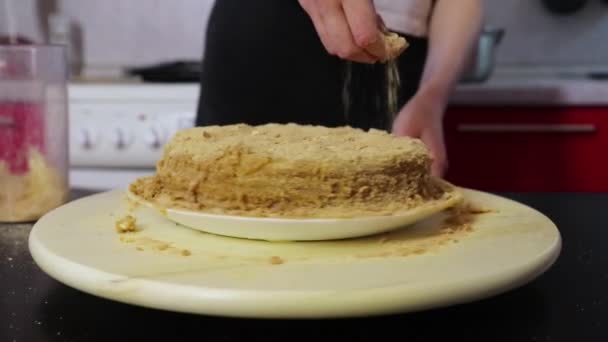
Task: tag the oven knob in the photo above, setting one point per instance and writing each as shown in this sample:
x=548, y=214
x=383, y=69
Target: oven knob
x=155, y=138
x=121, y=139
x=87, y=139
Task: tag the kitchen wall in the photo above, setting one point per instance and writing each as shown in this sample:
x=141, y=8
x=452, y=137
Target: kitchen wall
x=538, y=38
x=118, y=32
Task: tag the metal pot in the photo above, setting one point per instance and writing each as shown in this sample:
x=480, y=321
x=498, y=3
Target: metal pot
x=564, y=7
x=482, y=63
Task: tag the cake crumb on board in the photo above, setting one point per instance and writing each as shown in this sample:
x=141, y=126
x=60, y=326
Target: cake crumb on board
x=457, y=223
x=126, y=224
x=276, y=260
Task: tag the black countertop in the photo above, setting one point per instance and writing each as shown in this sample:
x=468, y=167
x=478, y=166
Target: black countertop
x=568, y=303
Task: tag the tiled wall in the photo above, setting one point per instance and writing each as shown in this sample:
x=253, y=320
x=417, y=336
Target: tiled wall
x=536, y=37
x=121, y=32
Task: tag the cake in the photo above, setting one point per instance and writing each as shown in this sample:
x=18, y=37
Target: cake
x=290, y=170
x=395, y=45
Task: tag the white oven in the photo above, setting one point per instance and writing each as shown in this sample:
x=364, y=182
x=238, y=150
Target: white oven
x=117, y=130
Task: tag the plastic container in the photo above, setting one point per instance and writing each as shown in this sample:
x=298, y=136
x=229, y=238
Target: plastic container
x=33, y=131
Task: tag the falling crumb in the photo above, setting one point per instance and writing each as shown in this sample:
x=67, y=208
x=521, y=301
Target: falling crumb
x=139, y=248
x=126, y=224
x=275, y=260
x=186, y=252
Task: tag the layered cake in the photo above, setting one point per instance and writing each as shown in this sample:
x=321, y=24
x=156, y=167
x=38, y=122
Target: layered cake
x=289, y=170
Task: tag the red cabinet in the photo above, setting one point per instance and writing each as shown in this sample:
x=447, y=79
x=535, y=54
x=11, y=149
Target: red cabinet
x=528, y=148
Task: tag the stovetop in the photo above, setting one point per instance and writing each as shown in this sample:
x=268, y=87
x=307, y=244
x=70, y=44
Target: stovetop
x=124, y=125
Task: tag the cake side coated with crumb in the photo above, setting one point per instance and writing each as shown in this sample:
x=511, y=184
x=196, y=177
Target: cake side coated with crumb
x=277, y=170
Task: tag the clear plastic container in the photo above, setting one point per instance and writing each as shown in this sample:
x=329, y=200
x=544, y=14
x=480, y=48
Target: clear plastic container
x=33, y=131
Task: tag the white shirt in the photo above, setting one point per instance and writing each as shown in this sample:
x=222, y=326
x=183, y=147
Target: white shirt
x=406, y=16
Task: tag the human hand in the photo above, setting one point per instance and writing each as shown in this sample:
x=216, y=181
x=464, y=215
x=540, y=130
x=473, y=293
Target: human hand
x=422, y=117
x=349, y=29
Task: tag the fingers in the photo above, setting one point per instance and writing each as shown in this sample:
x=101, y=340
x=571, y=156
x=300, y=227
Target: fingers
x=364, y=25
x=334, y=29
x=339, y=32
x=429, y=131
x=313, y=12
x=403, y=126
x=434, y=140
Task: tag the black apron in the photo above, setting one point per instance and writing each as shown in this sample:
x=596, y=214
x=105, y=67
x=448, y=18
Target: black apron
x=264, y=62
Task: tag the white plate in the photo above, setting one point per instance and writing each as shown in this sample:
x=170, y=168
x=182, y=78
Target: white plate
x=286, y=229
x=411, y=269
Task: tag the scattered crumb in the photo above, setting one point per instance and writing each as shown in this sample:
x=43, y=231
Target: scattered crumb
x=162, y=246
x=131, y=204
x=448, y=230
x=275, y=260
x=126, y=224
x=457, y=224
x=476, y=211
x=126, y=239
x=462, y=217
x=153, y=245
x=470, y=209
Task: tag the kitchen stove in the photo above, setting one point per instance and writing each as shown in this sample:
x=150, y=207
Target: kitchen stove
x=118, y=130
